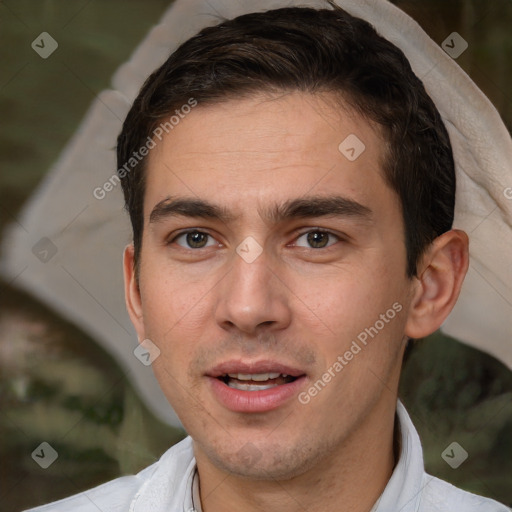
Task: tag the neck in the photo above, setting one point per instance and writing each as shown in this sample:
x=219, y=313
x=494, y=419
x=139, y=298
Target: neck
x=354, y=475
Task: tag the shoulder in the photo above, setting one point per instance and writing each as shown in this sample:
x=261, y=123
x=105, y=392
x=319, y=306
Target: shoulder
x=440, y=496
x=119, y=494
x=112, y=496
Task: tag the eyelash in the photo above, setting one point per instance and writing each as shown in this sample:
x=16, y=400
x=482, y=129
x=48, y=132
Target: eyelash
x=316, y=230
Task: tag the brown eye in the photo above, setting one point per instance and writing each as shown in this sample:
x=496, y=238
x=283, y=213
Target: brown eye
x=317, y=239
x=194, y=240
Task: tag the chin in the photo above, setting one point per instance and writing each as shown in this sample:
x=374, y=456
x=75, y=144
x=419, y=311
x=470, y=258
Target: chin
x=261, y=461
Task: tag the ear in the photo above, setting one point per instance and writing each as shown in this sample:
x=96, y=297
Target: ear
x=132, y=292
x=440, y=275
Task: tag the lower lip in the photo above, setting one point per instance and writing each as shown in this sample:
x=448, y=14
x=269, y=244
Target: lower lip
x=265, y=400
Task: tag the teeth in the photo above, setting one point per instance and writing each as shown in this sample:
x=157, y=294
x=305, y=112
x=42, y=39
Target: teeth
x=250, y=387
x=259, y=377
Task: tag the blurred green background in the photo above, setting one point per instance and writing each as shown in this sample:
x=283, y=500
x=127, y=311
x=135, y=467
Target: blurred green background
x=58, y=385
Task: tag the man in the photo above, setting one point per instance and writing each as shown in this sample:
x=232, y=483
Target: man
x=292, y=201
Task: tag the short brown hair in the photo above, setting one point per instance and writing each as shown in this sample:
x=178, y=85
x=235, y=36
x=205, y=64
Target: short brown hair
x=314, y=51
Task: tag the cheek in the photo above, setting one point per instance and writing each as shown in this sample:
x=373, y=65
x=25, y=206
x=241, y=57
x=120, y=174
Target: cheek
x=344, y=297
x=169, y=292
x=175, y=309
x=174, y=313
x=350, y=303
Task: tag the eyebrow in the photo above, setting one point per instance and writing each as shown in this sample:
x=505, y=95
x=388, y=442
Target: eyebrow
x=189, y=207
x=304, y=207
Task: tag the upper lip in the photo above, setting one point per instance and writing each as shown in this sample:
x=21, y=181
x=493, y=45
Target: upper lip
x=252, y=367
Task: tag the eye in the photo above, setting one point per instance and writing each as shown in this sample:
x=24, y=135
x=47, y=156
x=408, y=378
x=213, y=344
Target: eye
x=317, y=239
x=194, y=240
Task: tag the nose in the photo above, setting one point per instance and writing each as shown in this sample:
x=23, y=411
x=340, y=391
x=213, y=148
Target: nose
x=252, y=297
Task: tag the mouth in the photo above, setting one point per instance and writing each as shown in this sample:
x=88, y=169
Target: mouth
x=256, y=381
x=256, y=386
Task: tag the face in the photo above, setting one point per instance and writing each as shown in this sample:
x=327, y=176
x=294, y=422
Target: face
x=273, y=281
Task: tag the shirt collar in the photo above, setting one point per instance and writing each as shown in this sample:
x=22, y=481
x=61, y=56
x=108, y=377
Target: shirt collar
x=403, y=491
x=196, y=498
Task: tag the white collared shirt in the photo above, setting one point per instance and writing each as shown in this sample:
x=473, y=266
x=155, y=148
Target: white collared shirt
x=171, y=485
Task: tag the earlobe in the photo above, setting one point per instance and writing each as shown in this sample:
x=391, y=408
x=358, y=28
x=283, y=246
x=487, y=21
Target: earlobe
x=440, y=277
x=132, y=292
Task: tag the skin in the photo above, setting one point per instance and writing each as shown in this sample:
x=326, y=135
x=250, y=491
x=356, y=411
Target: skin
x=296, y=304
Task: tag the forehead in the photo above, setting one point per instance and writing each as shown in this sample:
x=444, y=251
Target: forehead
x=268, y=149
